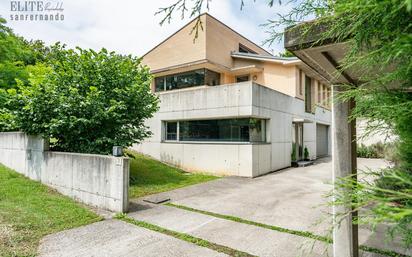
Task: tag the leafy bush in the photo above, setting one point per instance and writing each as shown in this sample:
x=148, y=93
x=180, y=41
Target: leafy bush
x=86, y=101
x=15, y=54
x=306, y=153
x=293, y=154
x=378, y=150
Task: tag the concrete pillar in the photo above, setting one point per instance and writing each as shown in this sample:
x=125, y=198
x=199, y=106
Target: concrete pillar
x=345, y=234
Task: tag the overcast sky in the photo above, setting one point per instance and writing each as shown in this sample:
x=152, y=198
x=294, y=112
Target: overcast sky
x=130, y=26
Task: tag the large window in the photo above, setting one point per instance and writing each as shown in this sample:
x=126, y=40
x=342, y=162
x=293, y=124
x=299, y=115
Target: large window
x=300, y=82
x=193, y=78
x=308, y=94
x=222, y=130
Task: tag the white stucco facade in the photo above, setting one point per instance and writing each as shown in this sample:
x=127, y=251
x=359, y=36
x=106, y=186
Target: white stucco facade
x=246, y=99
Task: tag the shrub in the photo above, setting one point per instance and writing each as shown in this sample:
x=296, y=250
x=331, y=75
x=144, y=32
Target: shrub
x=306, y=153
x=293, y=154
x=378, y=150
x=86, y=101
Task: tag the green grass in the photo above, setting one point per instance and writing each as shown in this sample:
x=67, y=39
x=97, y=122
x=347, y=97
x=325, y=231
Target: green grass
x=306, y=234
x=30, y=210
x=185, y=237
x=148, y=176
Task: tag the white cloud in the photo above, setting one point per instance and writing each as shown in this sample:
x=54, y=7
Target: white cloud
x=129, y=26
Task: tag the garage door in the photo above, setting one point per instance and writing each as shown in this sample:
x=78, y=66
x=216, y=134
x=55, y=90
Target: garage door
x=321, y=140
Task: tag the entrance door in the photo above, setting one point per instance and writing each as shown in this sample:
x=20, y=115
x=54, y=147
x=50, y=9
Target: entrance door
x=298, y=139
x=321, y=140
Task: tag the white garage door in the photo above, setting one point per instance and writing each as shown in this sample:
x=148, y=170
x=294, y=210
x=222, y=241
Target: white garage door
x=321, y=140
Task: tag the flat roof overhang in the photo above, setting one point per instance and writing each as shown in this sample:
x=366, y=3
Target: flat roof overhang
x=208, y=65
x=323, y=56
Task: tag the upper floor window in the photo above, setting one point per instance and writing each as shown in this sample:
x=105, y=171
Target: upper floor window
x=300, y=82
x=192, y=78
x=320, y=93
x=242, y=78
x=308, y=94
x=328, y=100
x=245, y=49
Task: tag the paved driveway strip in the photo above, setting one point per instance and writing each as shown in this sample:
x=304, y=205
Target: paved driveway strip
x=117, y=238
x=247, y=238
x=292, y=198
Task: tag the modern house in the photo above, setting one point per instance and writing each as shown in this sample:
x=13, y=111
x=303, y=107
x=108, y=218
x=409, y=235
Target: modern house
x=229, y=107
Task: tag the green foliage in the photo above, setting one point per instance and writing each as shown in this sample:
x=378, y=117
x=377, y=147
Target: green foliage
x=30, y=210
x=306, y=153
x=149, y=176
x=293, y=154
x=372, y=151
x=86, y=101
x=15, y=54
x=384, y=196
x=286, y=53
x=387, y=151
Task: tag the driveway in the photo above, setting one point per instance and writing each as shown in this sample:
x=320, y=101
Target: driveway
x=289, y=199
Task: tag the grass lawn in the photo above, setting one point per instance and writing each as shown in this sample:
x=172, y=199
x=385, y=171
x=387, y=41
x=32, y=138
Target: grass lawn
x=148, y=176
x=30, y=210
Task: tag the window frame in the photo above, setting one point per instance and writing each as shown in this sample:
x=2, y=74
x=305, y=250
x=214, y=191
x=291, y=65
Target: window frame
x=308, y=94
x=165, y=135
x=262, y=133
x=240, y=76
x=174, y=76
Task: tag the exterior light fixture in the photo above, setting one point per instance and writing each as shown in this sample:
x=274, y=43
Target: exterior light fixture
x=117, y=151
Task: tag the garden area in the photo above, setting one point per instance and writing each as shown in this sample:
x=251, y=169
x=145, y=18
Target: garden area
x=149, y=176
x=30, y=210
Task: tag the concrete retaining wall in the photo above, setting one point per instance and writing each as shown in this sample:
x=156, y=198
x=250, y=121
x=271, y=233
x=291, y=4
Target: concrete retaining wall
x=97, y=180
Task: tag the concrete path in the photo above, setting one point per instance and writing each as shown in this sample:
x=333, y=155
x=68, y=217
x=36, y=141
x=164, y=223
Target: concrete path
x=247, y=238
x=117, y=238
x=292, y=198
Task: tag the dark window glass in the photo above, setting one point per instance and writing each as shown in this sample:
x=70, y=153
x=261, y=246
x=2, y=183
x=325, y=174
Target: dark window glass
x=212, y=78
x=242, y=78
x=187, y=79
x=228, y=130
x=159, y=84
x=244, y=49
x=171, y=130
x=308, y=94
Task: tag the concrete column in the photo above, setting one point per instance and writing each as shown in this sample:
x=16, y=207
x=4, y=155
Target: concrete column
x=345, y=234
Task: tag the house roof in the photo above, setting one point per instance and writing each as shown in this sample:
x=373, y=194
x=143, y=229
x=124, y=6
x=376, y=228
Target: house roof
x=198, y=17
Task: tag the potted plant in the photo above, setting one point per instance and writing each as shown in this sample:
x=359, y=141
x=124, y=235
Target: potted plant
x=306, y=154
x=293, y=156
